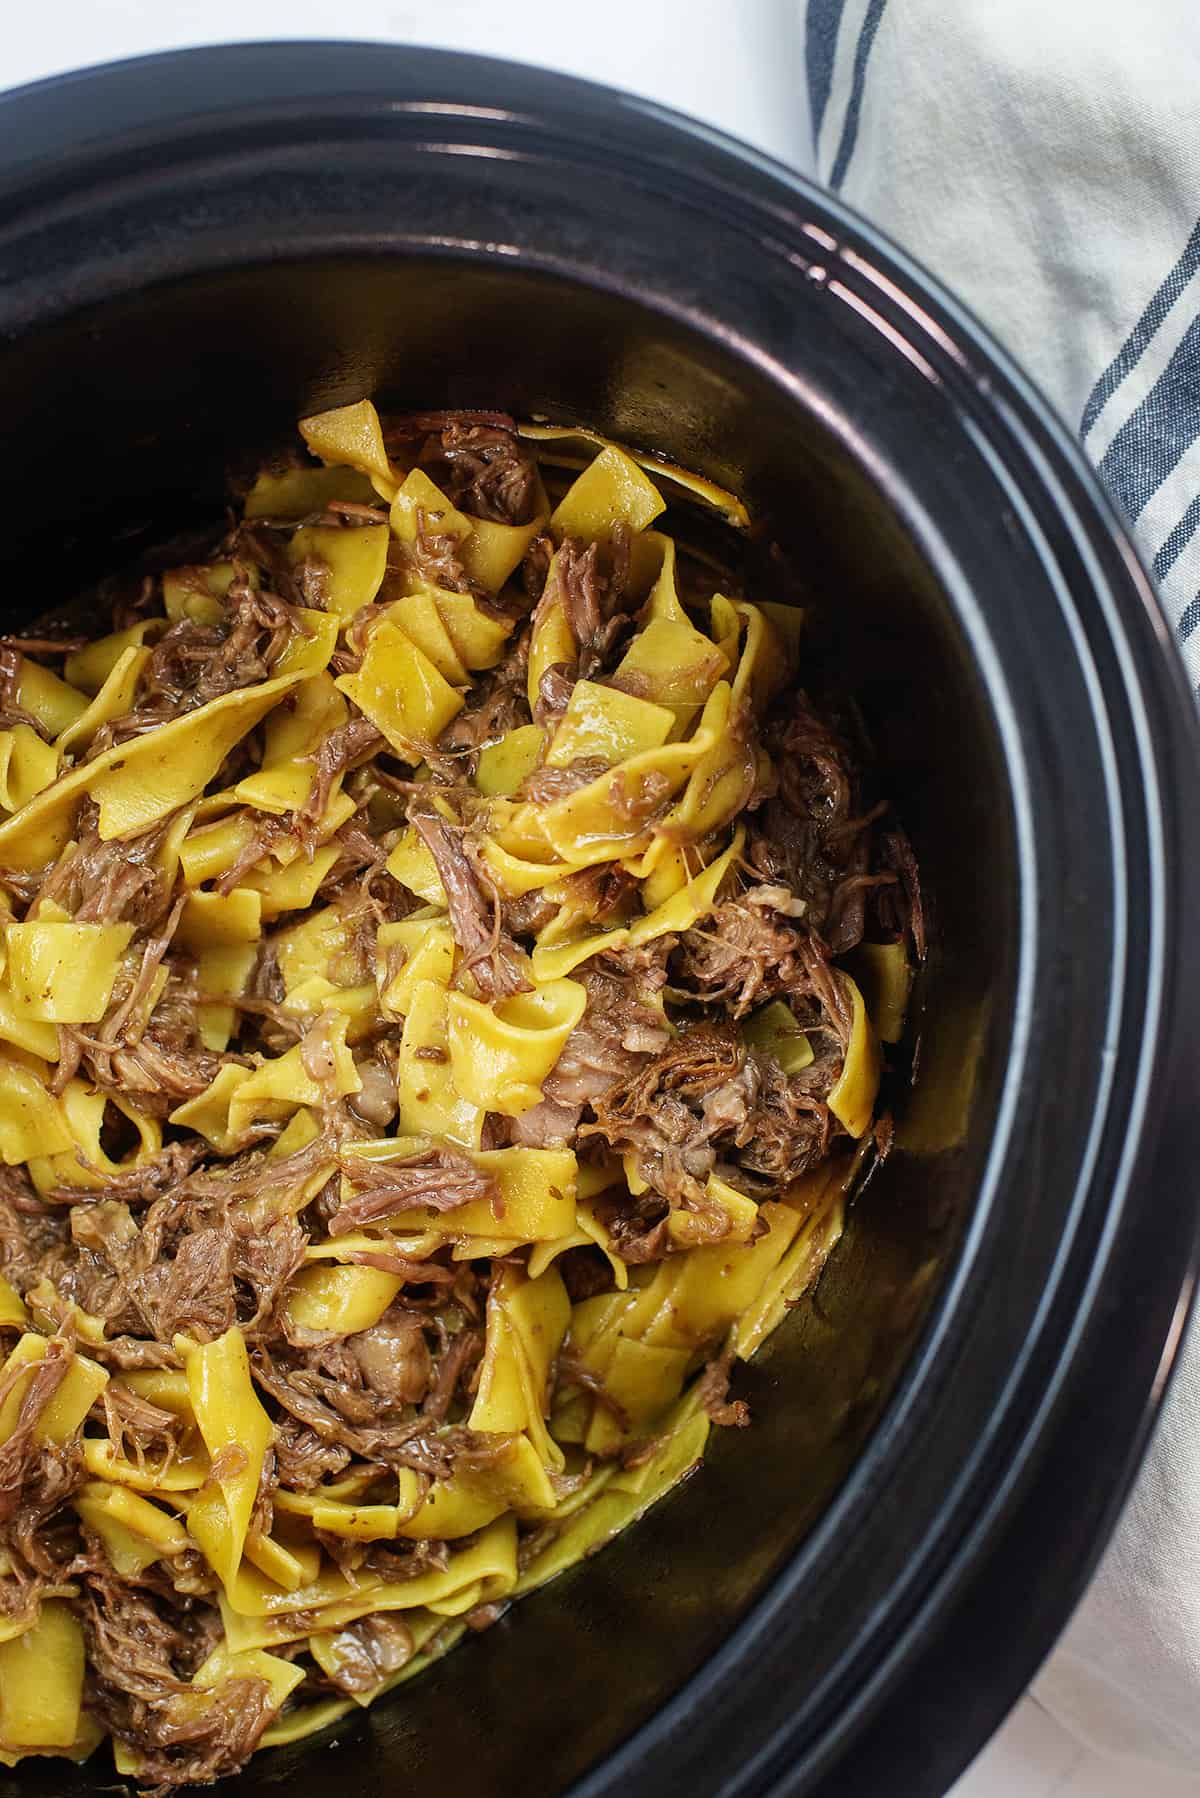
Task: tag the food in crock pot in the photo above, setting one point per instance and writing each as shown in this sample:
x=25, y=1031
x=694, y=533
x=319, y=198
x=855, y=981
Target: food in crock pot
x=430, y=1056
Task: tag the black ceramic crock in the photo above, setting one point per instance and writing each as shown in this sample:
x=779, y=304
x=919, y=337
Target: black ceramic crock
x=197, y=249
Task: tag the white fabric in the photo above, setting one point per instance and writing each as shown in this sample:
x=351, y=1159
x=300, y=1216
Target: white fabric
x=1043, y=157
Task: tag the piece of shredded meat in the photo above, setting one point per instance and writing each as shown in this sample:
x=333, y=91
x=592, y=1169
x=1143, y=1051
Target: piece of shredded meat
x=727, y=1413
x=662, y=1111
x=497, y=704
x=193, y=664
x=621, y=1029
x=351, y=743
x=704, y=1102
x=489, y=954
x=814, y=836
x=484, y=469
x=140, y=1661
x=743, y=953
x=439, y=1179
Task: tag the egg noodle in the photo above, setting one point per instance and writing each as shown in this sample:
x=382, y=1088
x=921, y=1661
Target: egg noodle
x=446, y=954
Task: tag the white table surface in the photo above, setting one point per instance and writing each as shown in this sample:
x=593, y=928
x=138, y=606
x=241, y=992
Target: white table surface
x=737, y=63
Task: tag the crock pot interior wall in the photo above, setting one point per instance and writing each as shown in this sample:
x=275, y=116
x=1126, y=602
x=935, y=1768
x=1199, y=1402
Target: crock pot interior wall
x=118, y=422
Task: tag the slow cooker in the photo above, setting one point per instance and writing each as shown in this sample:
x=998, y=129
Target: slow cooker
x=195, y=250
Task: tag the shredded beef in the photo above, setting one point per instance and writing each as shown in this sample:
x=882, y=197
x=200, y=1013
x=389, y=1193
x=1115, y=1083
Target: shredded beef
x=434, y=556
x=192, y=664
x=704, y=1101
x=11, y=711
x=639, y=1228
x=585, y=1273
x=162, y=1061
x=137, y=1185
x=742, y=954
x=325, y=1390
x=140, y=1662
x=484, y=469
x=459, y=1356
x=581, y=589
x=475, y=913
x=353, y=742
x=20, y=1452
x=101, y=882
x=545, y=785
x=813, y=836
x=536, y=565
x=657, y=1111
x=43, y=646
x=619, y=1031
x=497, y=703
x=555, y=686
x=788, y=1129
x=714, y=1394
x=138, y=1430
x=33, y=1240
x=302, y=1459
x=901, y=910
x=438, y=1178
x=593, y=588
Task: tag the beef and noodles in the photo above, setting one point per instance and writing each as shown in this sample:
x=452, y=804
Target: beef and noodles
x=447, y=952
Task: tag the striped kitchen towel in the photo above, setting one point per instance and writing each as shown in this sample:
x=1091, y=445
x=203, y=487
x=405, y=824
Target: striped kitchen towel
x=1043, y=157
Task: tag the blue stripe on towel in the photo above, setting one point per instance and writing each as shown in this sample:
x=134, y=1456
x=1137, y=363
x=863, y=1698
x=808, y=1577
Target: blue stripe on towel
x=1173, y=546
x=1190, y=619
x=862, y=53
x=1135, y=344
x=1160, y=431
x=821, y=25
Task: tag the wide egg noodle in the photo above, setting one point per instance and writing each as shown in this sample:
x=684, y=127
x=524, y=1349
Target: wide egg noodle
x=113, y=700
x=28, y=764
x=237, y=1434
x=41, y=1683
x=88, y=1164
x=63, y=973
x=135, y=1532
x=291, y=737
x=429, y=1100
x=526, y=1323
x=483, y=1572
x=401, y=691
x=501, y=1053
